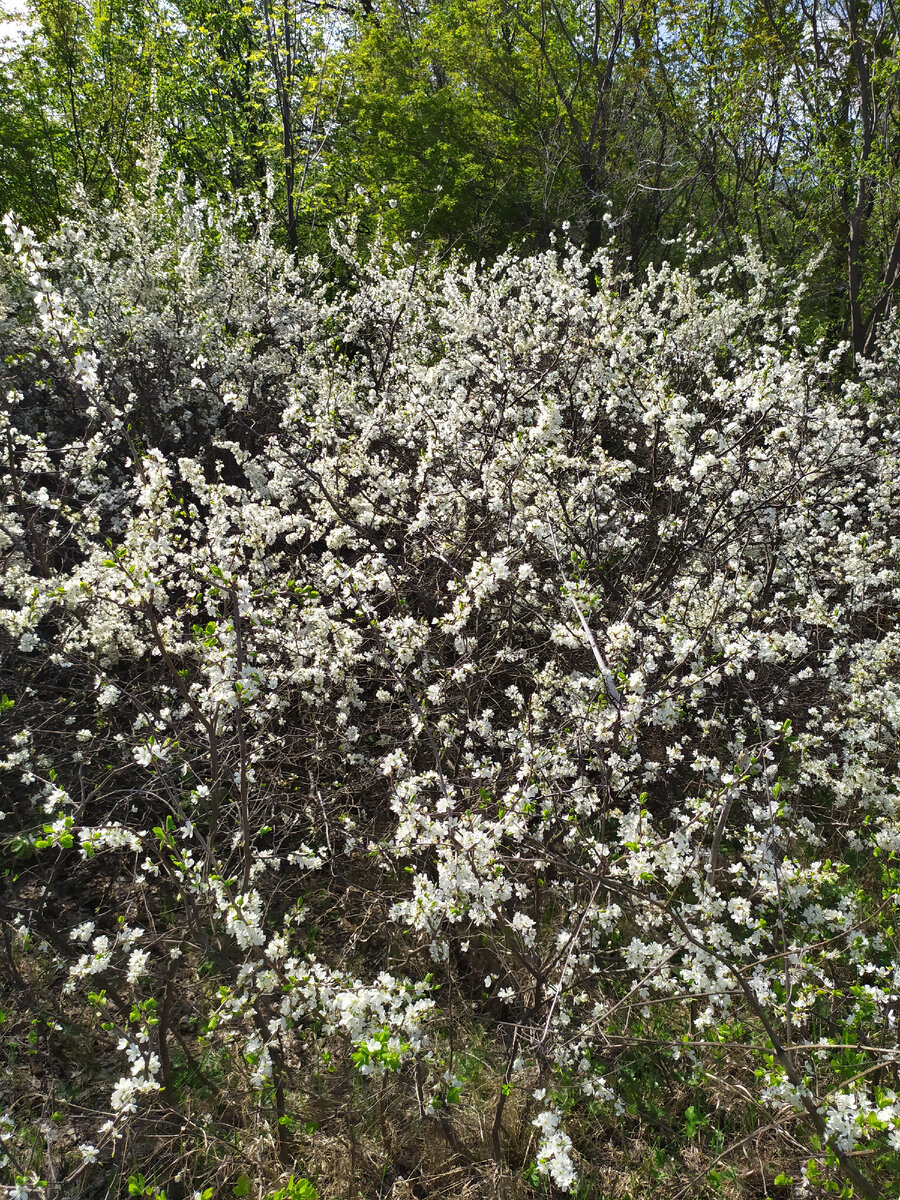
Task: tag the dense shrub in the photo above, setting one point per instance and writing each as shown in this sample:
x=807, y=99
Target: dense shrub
x=451, y=726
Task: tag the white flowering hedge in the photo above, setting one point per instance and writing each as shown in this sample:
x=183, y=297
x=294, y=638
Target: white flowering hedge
x=450, y=724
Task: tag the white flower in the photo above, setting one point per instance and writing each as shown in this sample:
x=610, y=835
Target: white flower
x=142, y=756
x=107, y=696
x=137, y=965
x=525, y=927
x=554, y=1149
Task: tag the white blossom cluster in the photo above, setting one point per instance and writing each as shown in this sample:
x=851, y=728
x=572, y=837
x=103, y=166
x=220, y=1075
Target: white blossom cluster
x=521, y=634
x=554, y=1150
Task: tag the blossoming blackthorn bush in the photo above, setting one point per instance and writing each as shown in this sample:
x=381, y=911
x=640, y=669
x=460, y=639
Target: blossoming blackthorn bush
x=450, y=725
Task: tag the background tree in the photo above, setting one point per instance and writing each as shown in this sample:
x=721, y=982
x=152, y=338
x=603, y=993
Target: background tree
x=485, y=123
x=79, y=102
